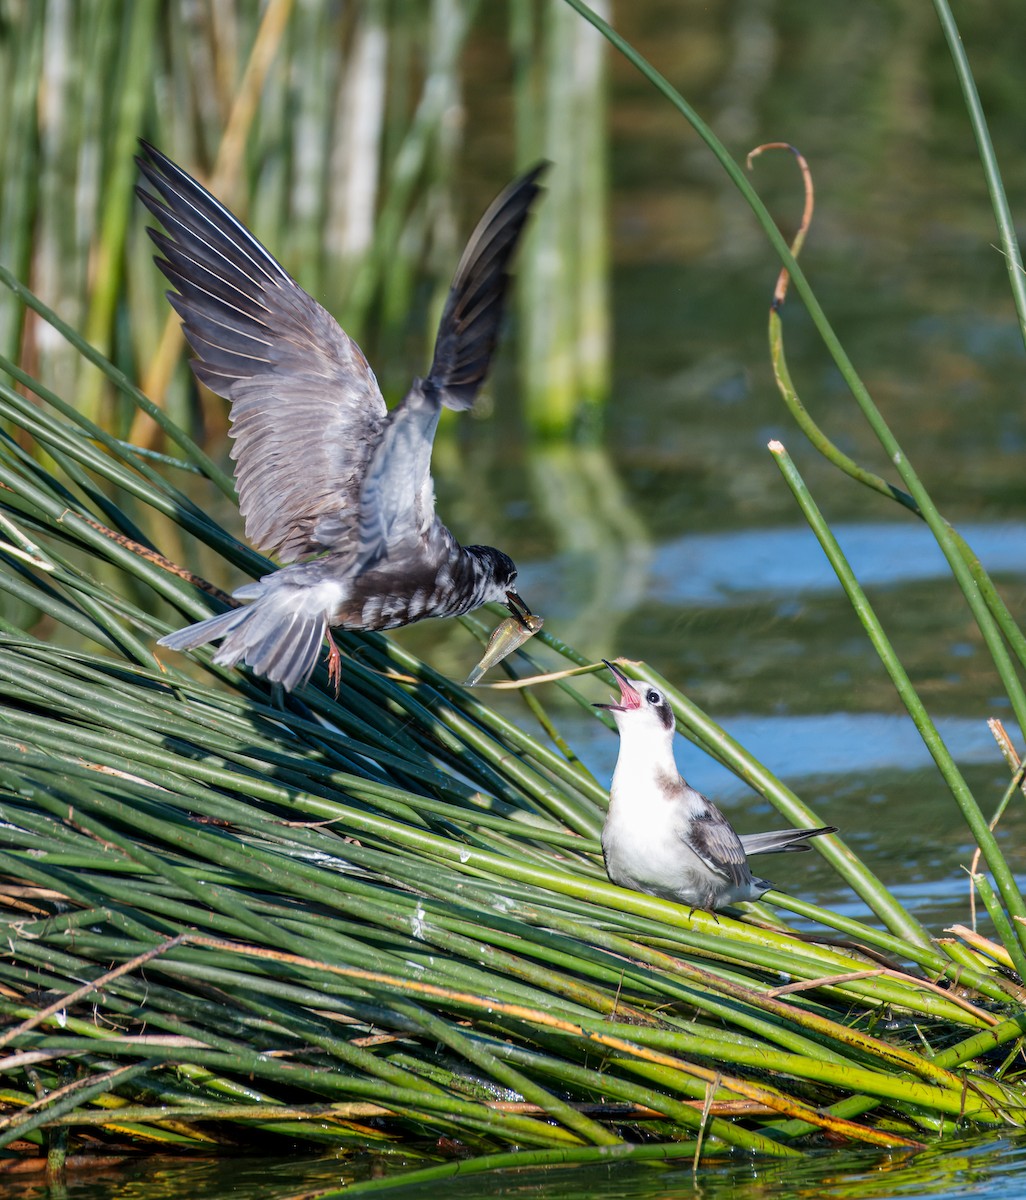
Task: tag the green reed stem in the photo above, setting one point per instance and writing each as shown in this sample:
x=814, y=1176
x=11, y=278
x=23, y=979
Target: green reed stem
x=874, y=418
x=999, y=610
x=991, y=171
x=974, y=818
x=121, y=382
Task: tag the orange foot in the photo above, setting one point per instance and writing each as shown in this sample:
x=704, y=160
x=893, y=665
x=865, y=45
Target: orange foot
x=334, y=664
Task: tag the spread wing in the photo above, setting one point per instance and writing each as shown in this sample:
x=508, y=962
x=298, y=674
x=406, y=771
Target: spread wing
x=306, y=409
x=397, y=503
x=469, y=328
x=714, y=840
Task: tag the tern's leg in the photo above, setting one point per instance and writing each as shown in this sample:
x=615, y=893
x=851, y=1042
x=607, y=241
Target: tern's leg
x=334, y=663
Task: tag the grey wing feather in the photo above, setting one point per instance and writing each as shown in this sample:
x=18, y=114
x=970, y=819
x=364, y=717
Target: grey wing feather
x=714, y=840
x=306, y=408
x=397, y=503
x=780, y=841
x=469, y=327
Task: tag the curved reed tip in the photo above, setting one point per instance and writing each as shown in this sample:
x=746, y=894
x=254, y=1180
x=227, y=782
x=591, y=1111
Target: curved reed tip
x=775, y=447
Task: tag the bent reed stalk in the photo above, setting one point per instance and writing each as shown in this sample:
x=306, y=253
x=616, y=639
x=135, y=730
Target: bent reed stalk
x=398, y=904
x=231, y=920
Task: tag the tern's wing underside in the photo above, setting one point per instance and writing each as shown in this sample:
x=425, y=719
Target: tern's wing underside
x=397, y=503
x=306, y=409
x=713, y=839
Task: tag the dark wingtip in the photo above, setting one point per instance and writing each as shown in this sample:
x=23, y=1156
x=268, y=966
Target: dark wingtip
x=469, y=329
x=152, y=157
x=150, y=160
x=533, y=174
x=158, y=171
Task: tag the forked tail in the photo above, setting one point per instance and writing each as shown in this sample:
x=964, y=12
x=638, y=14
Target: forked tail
x=272, y=636
x=778, y=841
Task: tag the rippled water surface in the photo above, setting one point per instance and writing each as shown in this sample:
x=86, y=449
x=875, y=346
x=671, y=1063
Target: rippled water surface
x=984, y=1169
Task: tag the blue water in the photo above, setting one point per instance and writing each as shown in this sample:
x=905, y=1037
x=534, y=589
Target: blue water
x=733, y=565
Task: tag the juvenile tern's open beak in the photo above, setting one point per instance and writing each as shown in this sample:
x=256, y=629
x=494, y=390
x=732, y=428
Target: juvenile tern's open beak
x=629, y=695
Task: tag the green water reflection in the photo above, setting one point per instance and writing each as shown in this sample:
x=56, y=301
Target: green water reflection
x=986, y=1170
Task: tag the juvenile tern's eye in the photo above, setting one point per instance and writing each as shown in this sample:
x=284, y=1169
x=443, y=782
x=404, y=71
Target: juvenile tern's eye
x=653, y=698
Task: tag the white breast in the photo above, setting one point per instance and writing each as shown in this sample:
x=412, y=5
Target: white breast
x=643, y=837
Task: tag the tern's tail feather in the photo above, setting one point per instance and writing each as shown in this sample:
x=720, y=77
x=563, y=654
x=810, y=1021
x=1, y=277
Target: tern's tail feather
x=271, y=636
x=778, y=841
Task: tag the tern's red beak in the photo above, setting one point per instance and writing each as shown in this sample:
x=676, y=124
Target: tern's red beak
x=630, y=697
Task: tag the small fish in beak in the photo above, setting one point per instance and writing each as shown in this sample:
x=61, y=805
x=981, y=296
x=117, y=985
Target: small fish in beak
x=510, y=635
